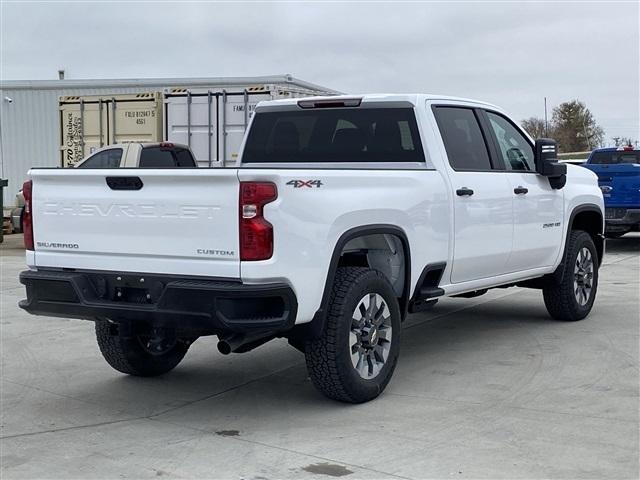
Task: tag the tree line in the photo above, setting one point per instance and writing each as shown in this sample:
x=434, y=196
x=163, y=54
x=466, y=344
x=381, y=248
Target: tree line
x=573, y=126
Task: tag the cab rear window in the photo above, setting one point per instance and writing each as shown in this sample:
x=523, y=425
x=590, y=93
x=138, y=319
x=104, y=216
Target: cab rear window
x=334, y=135
x=160, y=157
x=616, y=157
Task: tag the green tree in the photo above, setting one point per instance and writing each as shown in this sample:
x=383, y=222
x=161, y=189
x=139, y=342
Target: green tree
x=534, y=127
x=574, y=127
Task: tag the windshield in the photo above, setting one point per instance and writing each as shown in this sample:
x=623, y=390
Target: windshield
x=334, y=135
x=616, y=157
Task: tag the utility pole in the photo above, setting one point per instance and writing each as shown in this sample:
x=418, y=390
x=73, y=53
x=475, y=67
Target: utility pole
x=546, y=127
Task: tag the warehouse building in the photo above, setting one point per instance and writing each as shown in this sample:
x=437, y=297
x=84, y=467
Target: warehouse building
x=31, y=124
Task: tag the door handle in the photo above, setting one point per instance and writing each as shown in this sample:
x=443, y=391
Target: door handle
x=520, y=190
x=464, y=192
x=124, y=183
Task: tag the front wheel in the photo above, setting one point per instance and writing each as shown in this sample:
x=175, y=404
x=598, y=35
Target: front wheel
x=356, y=355
x=573, y=297
x=141, y=355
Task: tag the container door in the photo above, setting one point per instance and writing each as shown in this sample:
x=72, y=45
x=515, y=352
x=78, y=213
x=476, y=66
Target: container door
x=135, y=119
x=237, y=109
x=192, y=121
x=83, y=129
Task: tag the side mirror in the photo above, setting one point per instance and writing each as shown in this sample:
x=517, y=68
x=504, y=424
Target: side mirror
x=547, y=164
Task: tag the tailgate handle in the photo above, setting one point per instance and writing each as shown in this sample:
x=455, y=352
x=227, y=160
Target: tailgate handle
x=124, y=183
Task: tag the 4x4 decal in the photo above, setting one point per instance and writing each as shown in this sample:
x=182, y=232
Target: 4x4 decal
x=305, y=183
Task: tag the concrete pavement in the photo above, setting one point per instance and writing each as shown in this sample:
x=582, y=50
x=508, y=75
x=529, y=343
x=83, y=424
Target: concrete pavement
x=485, y=388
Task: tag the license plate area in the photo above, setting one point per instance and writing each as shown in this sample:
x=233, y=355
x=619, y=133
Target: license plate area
x=611, y=213
x=127, y=288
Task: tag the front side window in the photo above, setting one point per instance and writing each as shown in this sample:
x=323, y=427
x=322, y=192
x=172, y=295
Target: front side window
x=463, y=139
x=334, y=135
x=105, y=159
x=515, y=150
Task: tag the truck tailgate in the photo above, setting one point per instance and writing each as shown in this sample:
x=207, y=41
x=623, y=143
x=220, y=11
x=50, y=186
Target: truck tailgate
x=177, y=221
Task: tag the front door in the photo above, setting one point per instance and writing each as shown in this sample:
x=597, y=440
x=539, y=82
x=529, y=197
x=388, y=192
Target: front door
x=483, y=209
x=537, y=208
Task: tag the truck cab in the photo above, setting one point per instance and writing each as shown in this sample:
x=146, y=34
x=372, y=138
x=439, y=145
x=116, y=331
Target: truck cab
x=618, y=171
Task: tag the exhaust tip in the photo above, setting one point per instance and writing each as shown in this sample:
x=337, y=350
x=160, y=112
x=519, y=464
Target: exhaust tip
x=224, y=347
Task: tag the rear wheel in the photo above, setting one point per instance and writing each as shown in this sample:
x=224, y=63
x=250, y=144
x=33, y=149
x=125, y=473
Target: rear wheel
x=356, y=355
x=573, y=297
x=141, y=355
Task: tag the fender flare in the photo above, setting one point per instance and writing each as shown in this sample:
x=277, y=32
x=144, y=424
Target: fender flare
x=315, y=328
x=558, y=274
x=588, y=207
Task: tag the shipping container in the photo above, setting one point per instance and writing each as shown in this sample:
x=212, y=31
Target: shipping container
x=213, y=121
x=91, y=122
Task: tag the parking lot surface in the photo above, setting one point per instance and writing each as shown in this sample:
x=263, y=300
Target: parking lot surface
x=485, y=388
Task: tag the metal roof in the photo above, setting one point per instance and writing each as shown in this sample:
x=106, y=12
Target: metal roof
x=157, y=82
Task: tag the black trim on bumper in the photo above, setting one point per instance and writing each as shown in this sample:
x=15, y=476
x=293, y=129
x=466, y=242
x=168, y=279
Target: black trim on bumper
x=200, y=305
x=629, y=220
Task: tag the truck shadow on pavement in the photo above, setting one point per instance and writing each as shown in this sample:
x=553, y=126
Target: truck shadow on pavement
x=449, y=344
x=629, y=243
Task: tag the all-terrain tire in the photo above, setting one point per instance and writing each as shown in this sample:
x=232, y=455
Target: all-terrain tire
x=328, y=357
x=560, y=297
x=127, y=355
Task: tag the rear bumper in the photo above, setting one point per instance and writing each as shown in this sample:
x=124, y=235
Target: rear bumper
x=197, y=305
x=621, y=218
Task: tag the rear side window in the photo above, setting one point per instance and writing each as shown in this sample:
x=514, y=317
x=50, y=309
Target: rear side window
x=105, y=159
x=463, y=139
x=616, y=157
x=334, y=135
x=159, y=157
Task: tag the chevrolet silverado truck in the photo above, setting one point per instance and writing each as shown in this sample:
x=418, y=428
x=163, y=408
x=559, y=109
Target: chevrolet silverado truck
x=618, y=170
x=343, y=215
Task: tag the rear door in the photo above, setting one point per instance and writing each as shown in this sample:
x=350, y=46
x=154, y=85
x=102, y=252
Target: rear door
x=538, y=211
x=177, y=221
x=483, y=215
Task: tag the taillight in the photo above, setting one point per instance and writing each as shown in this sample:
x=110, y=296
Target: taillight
x=256, y=234
x=27, y=218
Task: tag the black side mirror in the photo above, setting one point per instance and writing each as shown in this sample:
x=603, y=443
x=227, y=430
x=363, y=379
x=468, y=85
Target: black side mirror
x=547, y=164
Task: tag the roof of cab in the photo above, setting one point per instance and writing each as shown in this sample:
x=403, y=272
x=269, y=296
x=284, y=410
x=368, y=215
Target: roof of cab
x=413, y=98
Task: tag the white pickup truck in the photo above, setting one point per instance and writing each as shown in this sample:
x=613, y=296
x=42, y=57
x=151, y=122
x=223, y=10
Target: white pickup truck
x=343, y=215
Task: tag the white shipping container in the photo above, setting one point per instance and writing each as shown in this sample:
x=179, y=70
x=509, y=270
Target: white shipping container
x=213, y=121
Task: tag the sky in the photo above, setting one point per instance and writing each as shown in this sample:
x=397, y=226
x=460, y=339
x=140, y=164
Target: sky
x=512, y=54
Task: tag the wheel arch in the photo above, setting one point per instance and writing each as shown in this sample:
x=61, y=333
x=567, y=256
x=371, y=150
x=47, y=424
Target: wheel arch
x=589, y=218
x=315, y=328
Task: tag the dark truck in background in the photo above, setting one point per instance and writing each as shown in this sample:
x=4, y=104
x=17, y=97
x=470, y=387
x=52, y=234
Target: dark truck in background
x=618, y=170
